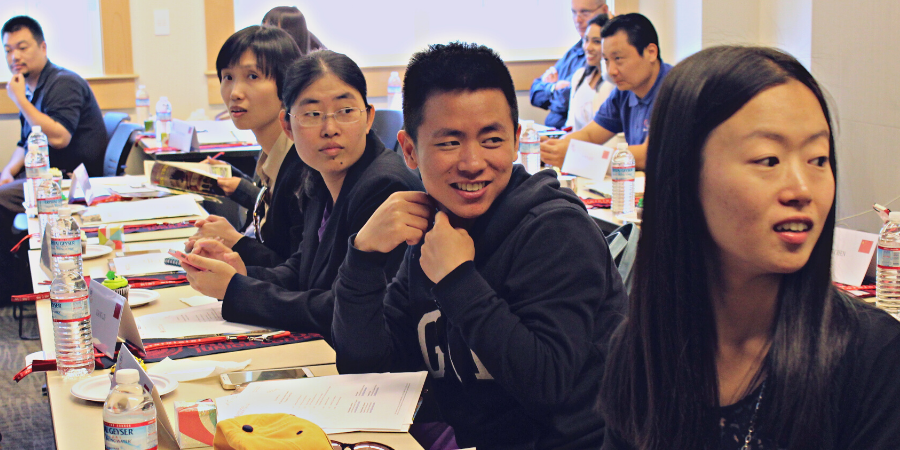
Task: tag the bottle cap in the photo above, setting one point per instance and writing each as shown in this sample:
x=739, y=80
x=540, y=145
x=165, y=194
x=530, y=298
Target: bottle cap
x=36, y=129
x=528, y=123
x=622, y=146
x=127, y=376
x=894, y=216
x=141, y=86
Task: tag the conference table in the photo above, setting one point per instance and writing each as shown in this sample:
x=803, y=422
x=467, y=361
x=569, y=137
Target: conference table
x=78, y=424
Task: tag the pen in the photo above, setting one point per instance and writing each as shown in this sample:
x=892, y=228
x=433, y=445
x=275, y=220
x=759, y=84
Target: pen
x=218, y=155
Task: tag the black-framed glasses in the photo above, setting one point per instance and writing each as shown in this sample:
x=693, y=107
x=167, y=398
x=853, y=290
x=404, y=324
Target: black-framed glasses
x=335, y=445
x=585, y=13
x=259, y=212
x=318, y=118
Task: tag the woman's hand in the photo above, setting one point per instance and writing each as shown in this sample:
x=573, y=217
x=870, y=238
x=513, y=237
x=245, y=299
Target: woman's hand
x=215, y=250
x=229, y=184
x=211, y=276
x=214, y=227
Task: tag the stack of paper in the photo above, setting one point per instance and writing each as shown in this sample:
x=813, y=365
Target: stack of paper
x=203, y=320
x=157, y=208
x=145, y=264
x=339, y=403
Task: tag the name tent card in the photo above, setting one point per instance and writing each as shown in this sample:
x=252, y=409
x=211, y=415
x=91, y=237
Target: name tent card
x=587, y=160
x=850, y=255
x=183, y=136
x=46, y=262
x=111, y=318
x=80, y=179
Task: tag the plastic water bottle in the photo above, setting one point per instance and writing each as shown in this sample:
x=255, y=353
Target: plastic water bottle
x=38, y=138
x=71, y=310
x=142, y=104
x=622, y=180
x=163, y=121
x=49, y=200
x=36, y=168
x=395, y=92
x=129, y=415
x=65, y=242
x=530, y=147
x=887, y=271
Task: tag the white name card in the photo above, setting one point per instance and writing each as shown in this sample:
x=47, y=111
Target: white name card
x=851, y=254
x=587, y=160
x=111, y=318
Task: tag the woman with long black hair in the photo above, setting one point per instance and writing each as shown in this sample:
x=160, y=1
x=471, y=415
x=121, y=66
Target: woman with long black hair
x=736, y=337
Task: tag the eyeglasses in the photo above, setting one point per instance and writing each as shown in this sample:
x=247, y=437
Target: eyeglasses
x=335, y=445
x=318, y=118
x=584, y=13
x=259, y=212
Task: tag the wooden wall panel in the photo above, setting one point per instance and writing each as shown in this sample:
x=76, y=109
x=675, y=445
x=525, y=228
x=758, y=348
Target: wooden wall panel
x=115, y=20
x=112, y=92
x=219, y=19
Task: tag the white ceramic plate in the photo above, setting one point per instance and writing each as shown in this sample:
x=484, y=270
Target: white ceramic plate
x=96, y=251
x=630, y=217
x=96, y=388
x=138, y=297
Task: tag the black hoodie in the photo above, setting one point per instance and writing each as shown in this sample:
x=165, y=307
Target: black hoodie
x=515, y=341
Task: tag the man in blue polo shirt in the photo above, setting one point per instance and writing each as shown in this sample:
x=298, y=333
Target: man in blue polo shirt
x=551, y=90
x=630, y=48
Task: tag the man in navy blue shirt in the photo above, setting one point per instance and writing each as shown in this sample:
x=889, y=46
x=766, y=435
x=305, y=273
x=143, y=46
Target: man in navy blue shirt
x=551, y=90
x=630, y=48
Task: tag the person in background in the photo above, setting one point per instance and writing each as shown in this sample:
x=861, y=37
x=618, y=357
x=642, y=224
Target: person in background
x=251, y=66
x=513, y=334
x=736, y=337
x=551, y=90
x=290, y=19
x=590, y=87
x=350, y=174
x=56, y=99
x=630, y=49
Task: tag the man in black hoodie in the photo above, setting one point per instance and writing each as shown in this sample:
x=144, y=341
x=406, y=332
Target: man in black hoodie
x=507, y=294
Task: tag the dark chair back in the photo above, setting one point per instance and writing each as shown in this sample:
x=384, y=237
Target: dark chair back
x=120, y=144
x=386, y=125
x=112, y=119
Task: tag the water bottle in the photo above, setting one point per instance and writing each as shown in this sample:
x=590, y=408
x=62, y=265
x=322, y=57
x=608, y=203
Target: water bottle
x=622, y=180
x=530, y=147
x=49, y=200
x=38, y=138
x=163, y=121
x=129, y=415
x=395, y=92
x=71, y=311
x=65, y=242
x=36, y=168
x=142, y=104
x=887, y=271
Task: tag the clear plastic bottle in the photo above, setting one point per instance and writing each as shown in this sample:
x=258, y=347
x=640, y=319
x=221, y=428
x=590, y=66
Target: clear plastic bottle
x=530, y=147
x=38, y=138
x=36, y=168
x=142, y=104
x=129, y=415
x=71, y=310
x=49, y=200
x=622, y=180
x=163, y=121
x=65, y=242
x=395, y=92
x=887, y=271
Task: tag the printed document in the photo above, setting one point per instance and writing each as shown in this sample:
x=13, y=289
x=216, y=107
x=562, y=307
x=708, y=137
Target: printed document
x=203, y=320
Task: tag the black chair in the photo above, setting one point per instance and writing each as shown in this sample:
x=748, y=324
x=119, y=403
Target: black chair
x=386, y=125
x=112, y=120
x=120, y=144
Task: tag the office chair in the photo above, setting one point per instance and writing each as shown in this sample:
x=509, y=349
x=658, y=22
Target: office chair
x=112, y=119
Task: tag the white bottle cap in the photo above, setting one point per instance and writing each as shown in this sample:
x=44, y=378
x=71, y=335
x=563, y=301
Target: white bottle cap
x=127, y=376
x=36, y=129
x=622, y=146
x=894, y=216
x=527, y=123
x=141, y=86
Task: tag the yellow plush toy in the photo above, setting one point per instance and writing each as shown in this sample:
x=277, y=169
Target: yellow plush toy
x=269, y=431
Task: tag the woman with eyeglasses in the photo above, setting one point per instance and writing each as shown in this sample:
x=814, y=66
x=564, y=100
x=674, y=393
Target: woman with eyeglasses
x=251, y=67
x=351, y=174
x=589, y=88
x=735, y=336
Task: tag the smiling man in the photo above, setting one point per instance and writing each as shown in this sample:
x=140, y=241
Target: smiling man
x=630, y=48
x=507, y=294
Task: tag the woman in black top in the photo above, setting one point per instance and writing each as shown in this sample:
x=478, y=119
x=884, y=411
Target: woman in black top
x=736, y=338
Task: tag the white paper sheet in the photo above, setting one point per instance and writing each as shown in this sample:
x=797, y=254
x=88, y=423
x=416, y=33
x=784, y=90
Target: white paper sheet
x=145, y=264
x=195, y=321
x=154, y=208
x=337, y=403
x=192, y=369
x=153, y=246
x=198, y=300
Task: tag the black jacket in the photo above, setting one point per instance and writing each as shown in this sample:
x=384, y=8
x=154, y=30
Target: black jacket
x=297, y=295
x=282, y=231
x=515, y=341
